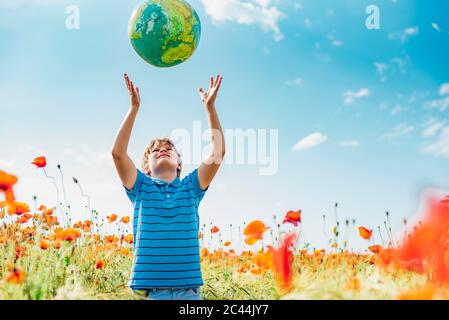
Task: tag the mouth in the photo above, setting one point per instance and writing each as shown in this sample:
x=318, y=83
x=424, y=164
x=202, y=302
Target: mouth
x=164, y=155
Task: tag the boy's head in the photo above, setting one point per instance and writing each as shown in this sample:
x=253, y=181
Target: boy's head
x=161, y=155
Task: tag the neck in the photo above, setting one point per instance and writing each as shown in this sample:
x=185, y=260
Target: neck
x=167, y=176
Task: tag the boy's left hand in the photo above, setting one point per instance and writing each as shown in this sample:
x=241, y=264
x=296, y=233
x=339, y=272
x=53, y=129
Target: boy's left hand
x=209, y=97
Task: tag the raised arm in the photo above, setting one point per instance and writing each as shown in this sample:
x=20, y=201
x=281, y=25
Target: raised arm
x=211, y=164
x=125, y=166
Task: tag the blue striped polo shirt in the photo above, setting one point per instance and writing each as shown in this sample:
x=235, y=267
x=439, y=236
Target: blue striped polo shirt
x=165, y=229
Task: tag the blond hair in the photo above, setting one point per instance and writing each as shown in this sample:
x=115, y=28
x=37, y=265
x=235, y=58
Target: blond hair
x=149, y=149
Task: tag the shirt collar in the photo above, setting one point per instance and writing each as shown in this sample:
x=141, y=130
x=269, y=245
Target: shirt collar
x=174, y=183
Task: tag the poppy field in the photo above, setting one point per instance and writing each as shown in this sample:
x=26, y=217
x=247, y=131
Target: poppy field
x=46, y=255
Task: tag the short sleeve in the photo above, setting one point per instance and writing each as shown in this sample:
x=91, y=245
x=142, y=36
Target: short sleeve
x=196, y=185
x=131, y=193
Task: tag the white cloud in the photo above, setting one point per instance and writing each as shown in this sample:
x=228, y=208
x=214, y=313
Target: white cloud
x=404, y=35
x=441, y=104
x=440, y=148
x=351, y=96
x=311, y=141
x=415, y=95
x=27, y=148
x=381, y=69
x=398, y=131
x=308, y=23
x=258, y=12
x=28, y=2
x=432, y=127
x=383, y=106
x=318, y=54
x=444, y=89
x=337, y=43
x=396, y=64
x=299, y=82
x=399, y=62
x=297, y=6
x=349, y=143
x=397, y=109
x=85, y=155
x=6, y=164
x=436, y=27
x=394, y=108
x=334, y=41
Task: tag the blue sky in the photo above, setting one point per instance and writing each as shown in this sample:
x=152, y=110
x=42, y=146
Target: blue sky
x=366, y=109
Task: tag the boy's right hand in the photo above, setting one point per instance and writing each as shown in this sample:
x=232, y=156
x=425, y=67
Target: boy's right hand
x=133, y=93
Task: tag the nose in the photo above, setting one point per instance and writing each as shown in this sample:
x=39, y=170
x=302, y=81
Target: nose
x=162, y=151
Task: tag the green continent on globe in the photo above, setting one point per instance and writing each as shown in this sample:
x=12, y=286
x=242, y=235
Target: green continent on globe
x=165, y=33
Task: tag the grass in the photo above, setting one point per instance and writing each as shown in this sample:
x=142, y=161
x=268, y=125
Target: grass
x=70, y=272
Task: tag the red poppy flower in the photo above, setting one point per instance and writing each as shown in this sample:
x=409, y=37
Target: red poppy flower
x=99, y=264
x=283, y=262
x=129, y=238
x=7, y=182
x=375, y=248
x=365, y=233
x=215, y=229
x=254, y=232
x=21, y=208
x=125, y=219
x=293, y=217
x=44, y=244
x=112, y=218
x=70, y=234
x=40, y=162
x=15, y=276
x=25, y=218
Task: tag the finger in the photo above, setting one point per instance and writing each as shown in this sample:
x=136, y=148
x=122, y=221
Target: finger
x=137, y=91
x=132, y=87
x=201, y=92
x=211, y=84
x=127, y=81
x=216, y=80
x=219, y=83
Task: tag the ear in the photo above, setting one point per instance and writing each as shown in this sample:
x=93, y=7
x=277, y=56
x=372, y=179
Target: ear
x=147, y=170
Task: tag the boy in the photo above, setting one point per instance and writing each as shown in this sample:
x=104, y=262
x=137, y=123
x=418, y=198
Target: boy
x=166, y=222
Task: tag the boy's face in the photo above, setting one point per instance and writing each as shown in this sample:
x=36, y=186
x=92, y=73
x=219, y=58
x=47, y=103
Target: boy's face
x=162, y=157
